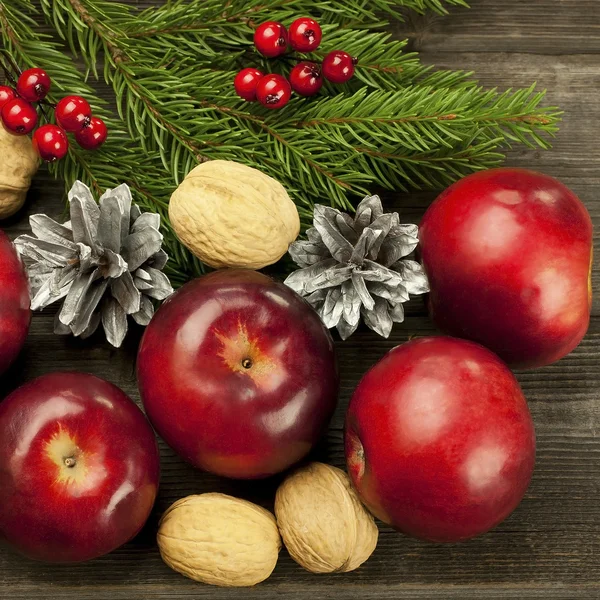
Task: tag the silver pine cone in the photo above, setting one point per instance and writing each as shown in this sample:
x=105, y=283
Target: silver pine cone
x=104, y=264
x=355, y=266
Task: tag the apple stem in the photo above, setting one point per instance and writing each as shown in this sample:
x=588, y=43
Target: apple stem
x=70, y=462
x=247, y=363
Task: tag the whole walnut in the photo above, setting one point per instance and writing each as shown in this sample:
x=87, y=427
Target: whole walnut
x=323, y=524
x=231, y=215
x=218, y=539
x=18, y=165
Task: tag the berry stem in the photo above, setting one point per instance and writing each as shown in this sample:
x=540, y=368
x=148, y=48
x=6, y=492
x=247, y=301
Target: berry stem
x=44, y=113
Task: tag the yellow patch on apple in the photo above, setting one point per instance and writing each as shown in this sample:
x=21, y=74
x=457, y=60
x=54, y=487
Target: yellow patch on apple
x=76, y=469
x=243, y=354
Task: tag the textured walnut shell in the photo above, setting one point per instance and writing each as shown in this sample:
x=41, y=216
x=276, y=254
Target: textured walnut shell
x=231, y=215
x=218, y=539
x=322, y=522
x=18, y=164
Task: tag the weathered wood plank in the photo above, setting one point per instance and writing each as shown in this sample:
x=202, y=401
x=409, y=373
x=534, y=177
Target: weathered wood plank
x=334, y=590
x=537, y=27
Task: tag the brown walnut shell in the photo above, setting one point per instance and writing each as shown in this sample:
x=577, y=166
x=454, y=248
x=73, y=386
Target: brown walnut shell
x=232, y=215
x=218, y=539
x=323, y=524
x=18, y=165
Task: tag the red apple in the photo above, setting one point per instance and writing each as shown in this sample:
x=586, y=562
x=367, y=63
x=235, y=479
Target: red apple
x=439, y=440
x=79, y=468
x=14, y=303
x=238, y=374
x=508, y=253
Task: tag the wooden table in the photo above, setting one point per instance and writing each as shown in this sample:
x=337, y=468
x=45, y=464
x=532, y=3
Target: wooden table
x=549, y=548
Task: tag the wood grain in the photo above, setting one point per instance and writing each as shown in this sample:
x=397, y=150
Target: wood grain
x=549, y=548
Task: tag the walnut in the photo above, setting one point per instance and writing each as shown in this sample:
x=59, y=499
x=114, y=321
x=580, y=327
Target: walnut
x=19, y=164
x=231, y=215
x=218, y=539
x=322, y=522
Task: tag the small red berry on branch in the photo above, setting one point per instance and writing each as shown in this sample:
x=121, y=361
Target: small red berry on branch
x=306, y=78
x=73, y=113
x=338, y=66
x=245, y=83
x=271, y=39
x=19, y=117
x=33, y=85
x=92, y=136
x=51, y=142
x=305, y=35
x=6, y=94
x=273, y=91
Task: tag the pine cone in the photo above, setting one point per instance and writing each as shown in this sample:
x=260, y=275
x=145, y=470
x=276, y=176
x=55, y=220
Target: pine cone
x=105, y=262
x=353, y=267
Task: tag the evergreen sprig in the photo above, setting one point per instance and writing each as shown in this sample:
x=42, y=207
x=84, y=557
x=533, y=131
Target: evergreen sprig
x=119, y=160
x=397, y=124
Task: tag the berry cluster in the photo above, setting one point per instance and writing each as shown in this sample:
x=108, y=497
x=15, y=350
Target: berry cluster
x=72, y=113
x=272, y=39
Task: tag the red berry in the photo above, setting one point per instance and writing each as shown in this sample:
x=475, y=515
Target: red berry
x=305, y=34
x=271, y=39
x=245, y=83
x=19, y=117
x=73, y=113
x=338, y=66
x=306, y=78
x=6, y=94
x=92, y=136
x=51, y=142
x=273, y=91
x=33, y=85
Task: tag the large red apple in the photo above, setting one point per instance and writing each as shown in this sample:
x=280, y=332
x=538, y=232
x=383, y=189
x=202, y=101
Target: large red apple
x=439, y=439
x=79, y=468
x=508, y=254
x=14, y=303
x=238, y=374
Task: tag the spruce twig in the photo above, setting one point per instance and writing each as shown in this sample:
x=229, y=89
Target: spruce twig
x=397, y=124
x=208, y=90
x=118, y=161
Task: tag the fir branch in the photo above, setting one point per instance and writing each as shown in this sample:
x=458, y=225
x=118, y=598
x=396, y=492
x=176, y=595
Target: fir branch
x=427, y=118
x=150, y=118
x=398, y=124
x=502, y=119
x=118, y=160
x=224, y=41
x=183, y=16
x=228, y=27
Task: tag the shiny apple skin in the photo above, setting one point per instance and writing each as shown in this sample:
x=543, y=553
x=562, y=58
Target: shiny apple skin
x=52, y=513
x=439, y=439
x=236, y=422
x=15, y=315
x=508, y=254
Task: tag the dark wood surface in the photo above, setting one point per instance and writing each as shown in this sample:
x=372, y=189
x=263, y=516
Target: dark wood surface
x=550, y=547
